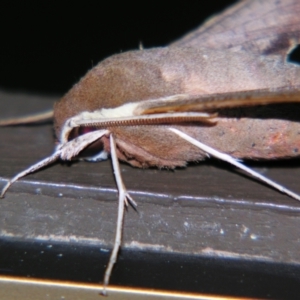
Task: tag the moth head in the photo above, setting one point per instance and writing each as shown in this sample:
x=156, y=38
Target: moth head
x=121, y=87
x=127, y=77
x=89, y=122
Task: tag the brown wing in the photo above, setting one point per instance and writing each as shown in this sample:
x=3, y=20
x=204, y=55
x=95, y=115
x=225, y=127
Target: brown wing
x=259, y=26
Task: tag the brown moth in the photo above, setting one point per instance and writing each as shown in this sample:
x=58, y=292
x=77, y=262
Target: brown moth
x=161, y=107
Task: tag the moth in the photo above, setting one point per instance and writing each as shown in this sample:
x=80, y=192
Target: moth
x=165, y=107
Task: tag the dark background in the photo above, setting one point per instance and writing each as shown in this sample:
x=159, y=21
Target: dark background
x=47, y=46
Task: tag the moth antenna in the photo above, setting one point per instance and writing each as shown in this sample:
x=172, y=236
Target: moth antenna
x=233, y=161
x=167, y=118
x=204, y=102
x=40, y=117
x=64, y=151
x=123, y=198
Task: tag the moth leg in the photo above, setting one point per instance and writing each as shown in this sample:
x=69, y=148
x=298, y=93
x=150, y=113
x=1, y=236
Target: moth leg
x=64, y=151
x=55, y=156
x=72, y=148
x=117, y=173
x=233, y=161
x=124, y=197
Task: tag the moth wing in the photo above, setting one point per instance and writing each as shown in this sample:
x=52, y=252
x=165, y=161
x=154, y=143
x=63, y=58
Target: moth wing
x=262, y=27
x=196, y=103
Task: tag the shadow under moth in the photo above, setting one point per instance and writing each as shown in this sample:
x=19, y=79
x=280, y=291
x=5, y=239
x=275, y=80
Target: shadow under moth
x=210, y=94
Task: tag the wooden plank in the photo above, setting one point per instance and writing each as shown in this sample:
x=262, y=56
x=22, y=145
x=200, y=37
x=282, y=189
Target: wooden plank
x=204, y=212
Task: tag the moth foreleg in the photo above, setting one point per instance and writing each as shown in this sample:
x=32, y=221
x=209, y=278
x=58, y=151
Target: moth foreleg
x=124, y=197
x=48, y=160
x=235, y=162
x=64, y=151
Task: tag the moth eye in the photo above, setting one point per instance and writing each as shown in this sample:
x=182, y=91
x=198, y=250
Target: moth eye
x=76, y=132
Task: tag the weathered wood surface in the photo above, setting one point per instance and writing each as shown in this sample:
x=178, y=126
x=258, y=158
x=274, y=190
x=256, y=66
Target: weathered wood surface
x=204, y=211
